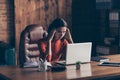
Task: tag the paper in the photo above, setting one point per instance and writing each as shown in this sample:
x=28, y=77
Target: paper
x=30, y=64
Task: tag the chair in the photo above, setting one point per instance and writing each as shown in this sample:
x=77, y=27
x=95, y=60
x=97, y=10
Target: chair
x=28, y=47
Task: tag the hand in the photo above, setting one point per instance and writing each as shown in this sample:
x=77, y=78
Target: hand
x=51, y=35
x=68, y=36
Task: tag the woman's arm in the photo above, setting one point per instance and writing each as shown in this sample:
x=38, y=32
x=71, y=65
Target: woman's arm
x=49, y=49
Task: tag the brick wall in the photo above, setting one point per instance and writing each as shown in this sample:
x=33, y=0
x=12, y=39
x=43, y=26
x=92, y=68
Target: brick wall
x=7, y=21
x=40, y=12
x=15, y=15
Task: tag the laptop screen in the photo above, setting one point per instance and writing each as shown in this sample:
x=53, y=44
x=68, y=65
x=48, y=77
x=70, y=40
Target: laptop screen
x=78, y=52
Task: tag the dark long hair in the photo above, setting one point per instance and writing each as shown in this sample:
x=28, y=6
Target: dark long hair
x=58, y=22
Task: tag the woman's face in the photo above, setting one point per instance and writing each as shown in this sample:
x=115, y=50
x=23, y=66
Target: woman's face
x=60, y=32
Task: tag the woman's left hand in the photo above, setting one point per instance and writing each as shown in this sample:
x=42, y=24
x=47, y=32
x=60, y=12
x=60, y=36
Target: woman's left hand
x=68, y=36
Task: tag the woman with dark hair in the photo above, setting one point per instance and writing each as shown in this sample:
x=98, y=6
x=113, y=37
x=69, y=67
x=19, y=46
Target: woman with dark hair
x=53, y=48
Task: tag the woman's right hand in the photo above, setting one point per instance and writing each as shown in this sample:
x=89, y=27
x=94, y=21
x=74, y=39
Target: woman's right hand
x=51, y=35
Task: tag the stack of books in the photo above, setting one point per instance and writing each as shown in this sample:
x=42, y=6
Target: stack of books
x=114, y=22
x=104, y=4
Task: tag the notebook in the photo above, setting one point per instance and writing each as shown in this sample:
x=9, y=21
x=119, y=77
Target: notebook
x=77, y=52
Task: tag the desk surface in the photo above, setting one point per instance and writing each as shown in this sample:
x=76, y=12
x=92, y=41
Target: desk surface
x=87, y=71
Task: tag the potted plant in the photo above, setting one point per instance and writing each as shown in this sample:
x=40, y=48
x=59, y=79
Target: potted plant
x=78, y=64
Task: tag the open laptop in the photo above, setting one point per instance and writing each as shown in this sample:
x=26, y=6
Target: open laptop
x=77, y=52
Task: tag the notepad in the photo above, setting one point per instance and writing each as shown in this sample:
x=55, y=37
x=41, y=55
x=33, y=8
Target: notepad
x=30, y=64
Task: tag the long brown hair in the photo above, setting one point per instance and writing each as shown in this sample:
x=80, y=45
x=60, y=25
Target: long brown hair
x=58, y=22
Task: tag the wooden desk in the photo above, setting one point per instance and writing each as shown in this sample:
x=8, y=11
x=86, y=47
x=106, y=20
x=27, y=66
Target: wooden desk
x=87, y=71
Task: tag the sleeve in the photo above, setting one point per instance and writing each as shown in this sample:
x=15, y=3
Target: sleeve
x=42, y=49
x=65, y=42
x=49, y=58
x=63, y=51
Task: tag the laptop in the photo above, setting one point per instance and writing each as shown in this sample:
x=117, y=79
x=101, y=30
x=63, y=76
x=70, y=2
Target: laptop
x=77, y=52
